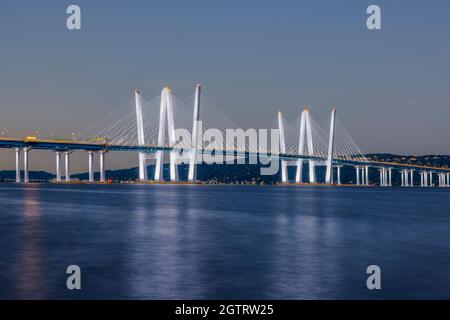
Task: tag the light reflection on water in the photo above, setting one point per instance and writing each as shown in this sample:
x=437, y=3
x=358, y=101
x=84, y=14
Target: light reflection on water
x=30, y=268
x=193, y=242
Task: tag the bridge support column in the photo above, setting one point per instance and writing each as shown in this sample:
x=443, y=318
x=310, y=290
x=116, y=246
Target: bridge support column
x=367, y=175
x=384, y=180
x=299, y=172
x=91, y=166
x=411, y=182
x=448, y=179
x=58, y=166
x=339, y=174
x=159, y=165
x=357, y=175
x=67, y=165
x=17, y=165
x=284, y=174
x=390, y=177
x=405, y=173
x=312, y=171
x=431, y=178
x=26, y=178
x=421, y=178
x=402, y=173
x=363, y=178
x=102, y=165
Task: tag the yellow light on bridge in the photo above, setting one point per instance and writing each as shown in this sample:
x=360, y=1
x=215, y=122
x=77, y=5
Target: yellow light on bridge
x=30, y=138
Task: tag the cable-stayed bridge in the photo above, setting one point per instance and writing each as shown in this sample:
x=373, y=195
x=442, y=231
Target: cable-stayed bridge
x=202, y=134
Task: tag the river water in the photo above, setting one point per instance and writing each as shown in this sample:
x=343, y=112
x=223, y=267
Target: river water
x=223, y=242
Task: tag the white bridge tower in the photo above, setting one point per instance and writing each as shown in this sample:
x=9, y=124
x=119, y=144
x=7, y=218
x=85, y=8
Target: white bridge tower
x=166, y=117
x=329, y=172
x=306, y=148
x=306, y=132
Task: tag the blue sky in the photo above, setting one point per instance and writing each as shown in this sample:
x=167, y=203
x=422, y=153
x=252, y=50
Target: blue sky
x=391, y=87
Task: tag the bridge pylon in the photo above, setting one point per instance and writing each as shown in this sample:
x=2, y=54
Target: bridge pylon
x=166, y=115
x=167, y=120
x=192, y=174
x=284, y=172
x=329, y=172
x=306, y=134
x=140, y=135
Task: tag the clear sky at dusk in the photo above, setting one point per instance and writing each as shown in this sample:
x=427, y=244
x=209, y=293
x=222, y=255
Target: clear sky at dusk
x=391, y=87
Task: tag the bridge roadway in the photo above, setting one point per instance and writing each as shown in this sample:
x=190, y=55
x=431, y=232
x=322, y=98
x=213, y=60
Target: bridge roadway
x=70, y=145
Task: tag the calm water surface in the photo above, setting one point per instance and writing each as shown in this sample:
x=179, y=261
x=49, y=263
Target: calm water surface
x=219, y=242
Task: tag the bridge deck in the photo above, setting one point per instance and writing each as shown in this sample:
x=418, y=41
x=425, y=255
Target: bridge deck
x=66, y=145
